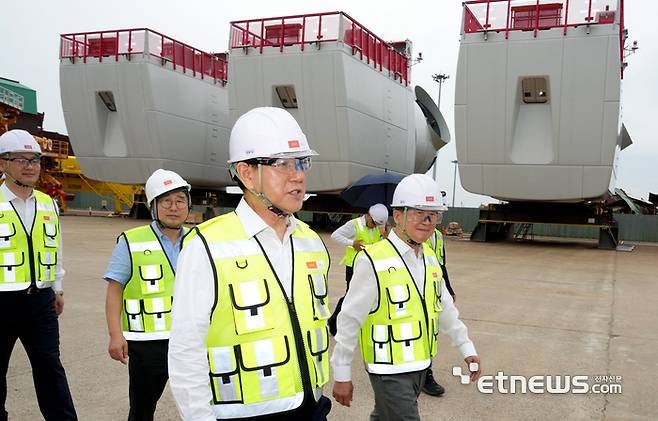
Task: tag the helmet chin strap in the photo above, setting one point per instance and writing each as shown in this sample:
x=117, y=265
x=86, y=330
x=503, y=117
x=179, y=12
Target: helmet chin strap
x=18, y=183
x=154, y=216
x=280, y=213
x=405, y=234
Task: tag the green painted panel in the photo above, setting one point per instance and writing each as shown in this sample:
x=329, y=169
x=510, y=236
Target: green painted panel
x=29, y=95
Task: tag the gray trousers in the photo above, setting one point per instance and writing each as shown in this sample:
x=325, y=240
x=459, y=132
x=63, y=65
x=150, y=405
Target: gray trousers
x=396, y=396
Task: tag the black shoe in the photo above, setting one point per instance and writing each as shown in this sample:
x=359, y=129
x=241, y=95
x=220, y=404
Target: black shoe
x=431, y=387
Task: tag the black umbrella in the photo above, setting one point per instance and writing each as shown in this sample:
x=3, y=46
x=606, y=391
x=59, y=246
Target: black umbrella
x=372, y=189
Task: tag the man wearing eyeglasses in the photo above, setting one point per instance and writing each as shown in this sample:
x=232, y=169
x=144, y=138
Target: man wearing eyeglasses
x=249, y=333
x=140, y=288
x=395, y=307
x=31, y=295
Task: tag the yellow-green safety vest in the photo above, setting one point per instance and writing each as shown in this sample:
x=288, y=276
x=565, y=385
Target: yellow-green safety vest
x=400, y=335
x=27, y=258
x=148, y=294
x=363, y=233
x=265, y=353
x=437, y=245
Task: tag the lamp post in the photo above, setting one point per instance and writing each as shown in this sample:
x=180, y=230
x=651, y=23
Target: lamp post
x=440, y=78
x=454, y=183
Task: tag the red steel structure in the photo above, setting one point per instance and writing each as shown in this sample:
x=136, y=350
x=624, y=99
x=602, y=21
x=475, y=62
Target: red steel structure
x=316, y=29
x=523, y=15
x=127, y=43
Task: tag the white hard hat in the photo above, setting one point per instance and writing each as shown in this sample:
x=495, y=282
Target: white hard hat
x=267, y=132
x=378, y=213
x=161, y=182
x=18, y=141
x=418, y=191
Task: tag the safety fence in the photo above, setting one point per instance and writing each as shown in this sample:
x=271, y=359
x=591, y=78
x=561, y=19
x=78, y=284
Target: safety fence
x=318, y=28
x=110, y=45
x=505, y=16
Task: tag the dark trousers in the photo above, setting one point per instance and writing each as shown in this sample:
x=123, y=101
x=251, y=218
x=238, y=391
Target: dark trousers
x=349, y=271
x=32, y=319
x=147, y=369
x=396, y=396
x=309, y=411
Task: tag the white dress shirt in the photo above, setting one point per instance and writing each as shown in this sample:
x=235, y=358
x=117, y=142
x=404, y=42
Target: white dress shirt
x=363, y=296
x=26, y=210
x=194, y=292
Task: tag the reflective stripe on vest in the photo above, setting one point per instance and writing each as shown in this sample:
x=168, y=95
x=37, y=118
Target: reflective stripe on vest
x=265, y=354
x=24, y=257
x=436, y=243
x=147, y=296
x=400, y=335
x=366, y=235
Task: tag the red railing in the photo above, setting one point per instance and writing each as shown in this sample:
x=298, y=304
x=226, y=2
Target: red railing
x=110, y=45
x=535, y=15
x=304, y=30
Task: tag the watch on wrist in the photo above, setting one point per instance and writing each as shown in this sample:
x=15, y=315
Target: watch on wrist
x=60, y=293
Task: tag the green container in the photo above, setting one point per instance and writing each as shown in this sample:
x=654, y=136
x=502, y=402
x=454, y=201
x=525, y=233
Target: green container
x=29, y=95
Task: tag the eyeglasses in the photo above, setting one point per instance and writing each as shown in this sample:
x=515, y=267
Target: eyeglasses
x=25, y=162
x=287, y=165
x=169, y=203
x=415, y=215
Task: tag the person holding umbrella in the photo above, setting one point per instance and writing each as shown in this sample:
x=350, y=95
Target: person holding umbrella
x=355, y=235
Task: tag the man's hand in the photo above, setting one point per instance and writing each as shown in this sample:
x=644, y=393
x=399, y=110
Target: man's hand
x=343, y=392
x=475, y=375
x=59, y=304
x=118, y=348
x=357, y=245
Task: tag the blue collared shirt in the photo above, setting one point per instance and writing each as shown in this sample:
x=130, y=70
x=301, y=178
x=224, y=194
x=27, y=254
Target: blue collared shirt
x=120, y=269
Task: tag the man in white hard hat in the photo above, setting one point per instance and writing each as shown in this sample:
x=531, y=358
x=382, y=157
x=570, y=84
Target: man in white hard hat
x=395, y=307
x=355, y=235
x=249, y=336
x=140, y=288
x=31, y=294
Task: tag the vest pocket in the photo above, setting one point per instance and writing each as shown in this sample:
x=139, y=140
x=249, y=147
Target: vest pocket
x=381, y=339
x=437, y=297
x=265, y=369
x=250, y=310
x=10, y=266
x=398, y=297
x=405, y=337
x=435, y=335
x=7, y=234
x=318, y=284
x=151, y=279
x=47, y=262
x=224, y=375
x=133, y=310
x=50, y=235
x=157, y=313
x=318, y=344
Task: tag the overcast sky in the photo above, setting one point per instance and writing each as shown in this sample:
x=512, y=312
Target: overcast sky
x=30, y=53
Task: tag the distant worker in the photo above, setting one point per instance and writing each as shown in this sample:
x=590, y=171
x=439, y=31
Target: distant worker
x=431, y=387
x=355, y=234
x=140, y=288
x=395, y=307
x=249, y=337
x=31, y=294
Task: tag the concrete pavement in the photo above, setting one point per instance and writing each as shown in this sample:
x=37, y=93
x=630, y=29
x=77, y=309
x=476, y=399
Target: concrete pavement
x=542, y=308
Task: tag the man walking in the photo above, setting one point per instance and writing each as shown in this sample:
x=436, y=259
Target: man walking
x=31, y=294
